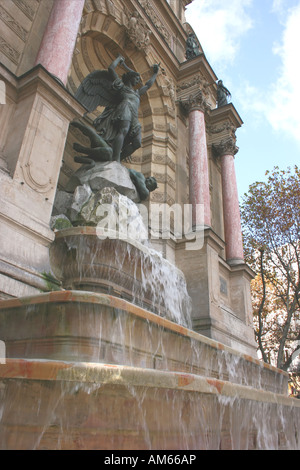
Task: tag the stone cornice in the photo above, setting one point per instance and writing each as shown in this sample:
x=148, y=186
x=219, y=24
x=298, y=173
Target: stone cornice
x=228, y=112
x=39, y=77
x=192, y=67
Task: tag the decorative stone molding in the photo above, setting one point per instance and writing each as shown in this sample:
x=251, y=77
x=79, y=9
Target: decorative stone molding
x=110, y=8
x=9, y=51
x=225, y=127
x=194, y=102
x=150, y=11
x=225, y=147
x=169, y=87
x=137, y=32
x=99, y=5
x=26, y=8
x=13, y=24
x=197, y=81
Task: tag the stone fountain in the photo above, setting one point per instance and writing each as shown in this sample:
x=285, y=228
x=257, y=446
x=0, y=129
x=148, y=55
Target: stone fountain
x=109, y=360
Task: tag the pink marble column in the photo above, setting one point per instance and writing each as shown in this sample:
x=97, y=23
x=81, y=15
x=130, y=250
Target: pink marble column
x=232, y=218
x=58, y=43
x=199, y=176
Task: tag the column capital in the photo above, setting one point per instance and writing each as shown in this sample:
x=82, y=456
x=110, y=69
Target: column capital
x=195, y=102
x=225, y=147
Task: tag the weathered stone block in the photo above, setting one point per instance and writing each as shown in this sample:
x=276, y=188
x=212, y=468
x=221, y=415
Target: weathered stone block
x=102, y=175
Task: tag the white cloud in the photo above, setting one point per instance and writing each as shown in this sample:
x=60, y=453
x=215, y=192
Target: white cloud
x=282, y=8
x=282, y=110
x=219, y=26
x=279, y=6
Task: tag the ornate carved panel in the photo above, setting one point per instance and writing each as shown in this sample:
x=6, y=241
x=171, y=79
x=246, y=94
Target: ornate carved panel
x=40, y=173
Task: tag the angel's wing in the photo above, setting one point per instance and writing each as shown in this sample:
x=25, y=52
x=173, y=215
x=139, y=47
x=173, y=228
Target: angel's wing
x=96, y=90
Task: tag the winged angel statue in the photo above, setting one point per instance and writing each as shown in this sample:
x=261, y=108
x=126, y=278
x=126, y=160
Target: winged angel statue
x=116, y=133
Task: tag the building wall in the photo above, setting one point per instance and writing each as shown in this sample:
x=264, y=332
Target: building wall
x=37, y=145
x=22, y=24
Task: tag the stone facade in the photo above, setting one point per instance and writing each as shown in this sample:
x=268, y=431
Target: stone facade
x=183, y=131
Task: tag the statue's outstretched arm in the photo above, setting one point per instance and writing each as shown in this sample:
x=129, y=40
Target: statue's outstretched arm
x=113, y=65
x=150, y=82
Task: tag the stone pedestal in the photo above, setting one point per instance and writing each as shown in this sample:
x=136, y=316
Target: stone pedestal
x=40, y=109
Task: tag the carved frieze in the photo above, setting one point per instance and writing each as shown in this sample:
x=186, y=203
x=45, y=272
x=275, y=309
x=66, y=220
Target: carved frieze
x=227, y=127
x=150, y=11
x=9, y=51
x=137, y=32
x=111, y=8
x=197, y=81
x=88, y=7
x=99, y=5
x=168, y=86
x=12, y=24
x=26, y=7
x=39, y=173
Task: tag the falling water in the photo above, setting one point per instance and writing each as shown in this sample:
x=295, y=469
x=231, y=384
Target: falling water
x=142, y=275
x=121, y=415
x=113, y=363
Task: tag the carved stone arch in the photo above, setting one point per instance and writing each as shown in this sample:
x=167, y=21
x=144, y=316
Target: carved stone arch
x=101, y=38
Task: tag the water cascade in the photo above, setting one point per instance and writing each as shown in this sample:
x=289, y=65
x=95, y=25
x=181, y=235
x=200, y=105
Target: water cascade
x=110, y=361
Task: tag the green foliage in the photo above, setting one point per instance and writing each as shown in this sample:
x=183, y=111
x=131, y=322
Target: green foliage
x=271, y=229
x=62, y=223
x=271, y=211
x=51, y=282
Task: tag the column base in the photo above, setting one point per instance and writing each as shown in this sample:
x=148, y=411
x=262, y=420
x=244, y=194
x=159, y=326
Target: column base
x=235, y=261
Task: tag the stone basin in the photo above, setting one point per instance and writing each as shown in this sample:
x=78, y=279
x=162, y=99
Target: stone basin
x=85, y=370
x=123, y=268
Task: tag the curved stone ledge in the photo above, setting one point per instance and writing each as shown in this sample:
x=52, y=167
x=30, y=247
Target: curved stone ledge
x=57, y=405
x=80, y=326
x=91, y=373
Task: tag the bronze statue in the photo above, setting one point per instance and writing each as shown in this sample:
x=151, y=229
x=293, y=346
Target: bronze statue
x=143, y=185
x=118, y=126
x=99, y=150
x=192, y=47
x=222, y=94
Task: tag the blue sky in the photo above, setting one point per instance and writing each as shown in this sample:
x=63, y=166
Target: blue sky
x=253, y=46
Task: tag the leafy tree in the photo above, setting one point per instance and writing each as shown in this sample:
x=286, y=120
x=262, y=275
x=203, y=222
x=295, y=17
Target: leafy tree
x=271, y=229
